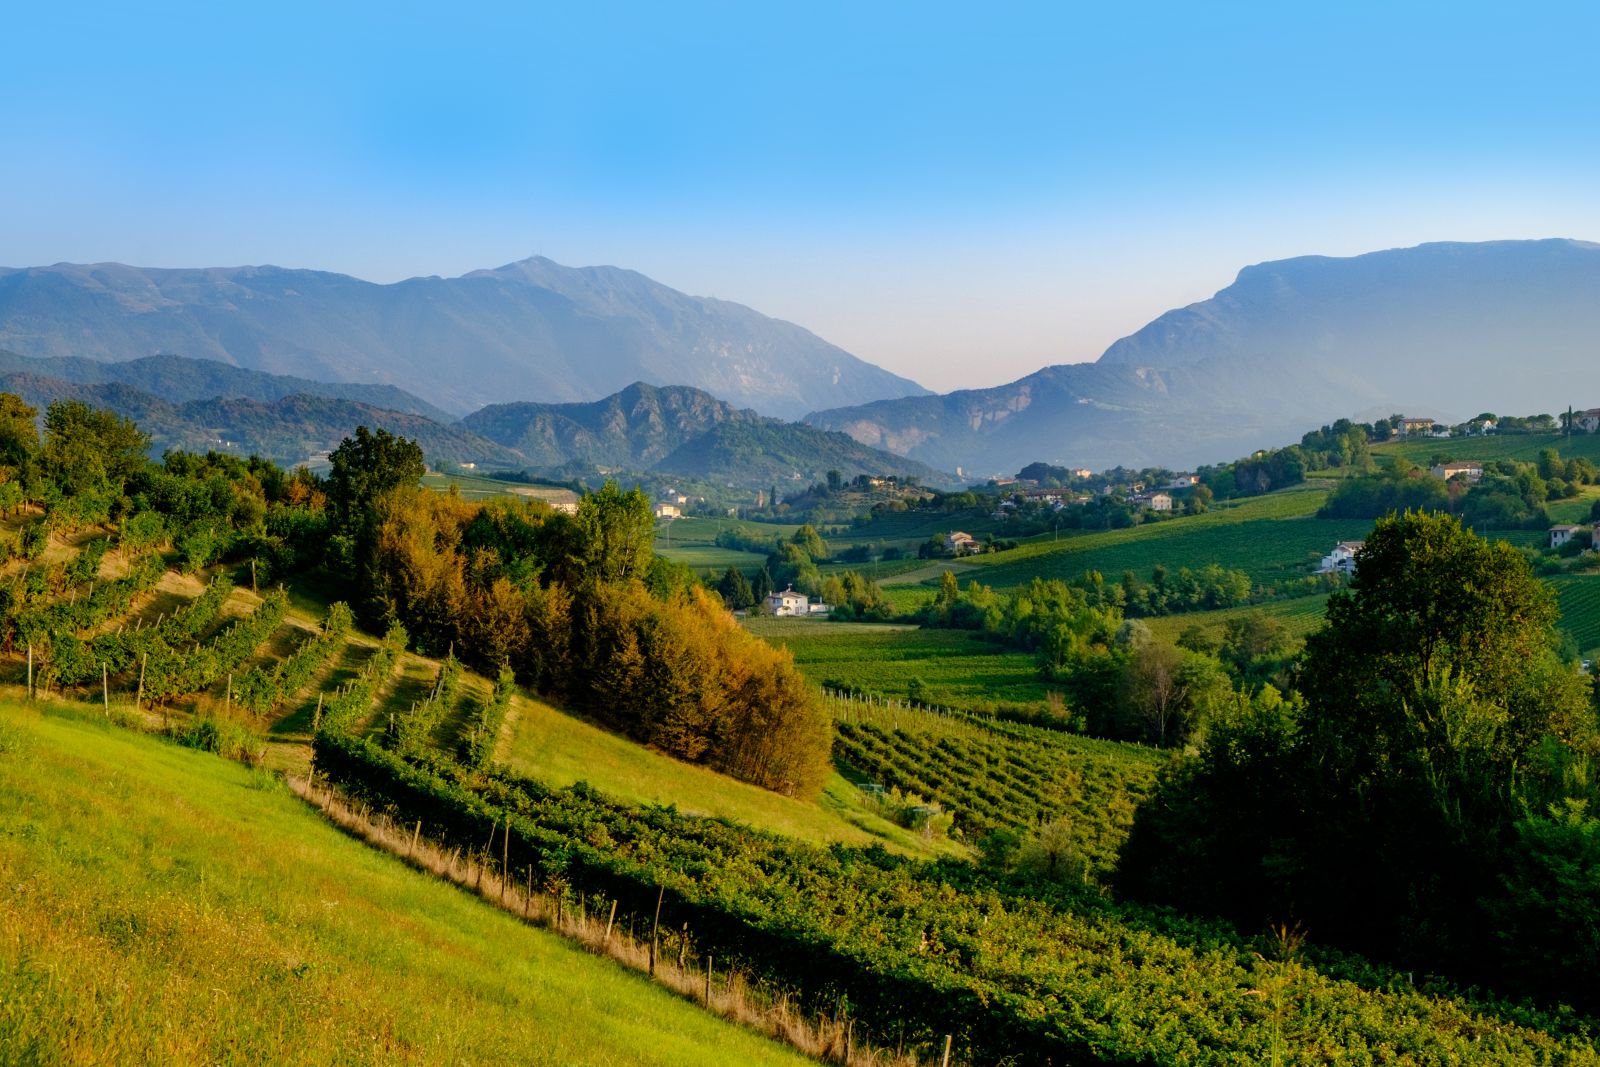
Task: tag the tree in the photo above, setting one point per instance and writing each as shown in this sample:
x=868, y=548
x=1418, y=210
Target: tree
x=19, y=434
x=615, y=530
x=735, y=589
x=1384, y=813
x=366, y=466
x=90, y=450
x=810, y=542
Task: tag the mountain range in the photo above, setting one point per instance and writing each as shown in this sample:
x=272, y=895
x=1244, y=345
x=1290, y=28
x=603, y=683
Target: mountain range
x=532, y=330
x=1446, y=330
x=682, y=431
x=201, y=405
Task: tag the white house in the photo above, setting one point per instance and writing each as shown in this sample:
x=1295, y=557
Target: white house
x=1589, y=420
x=1561, y=533
x=960, y=543
x=1160, y=502
x=788, y=602
x=1415, y=426
x=1184, y=481
x=668, y=511
x=1467, y=472
x=1342, y=559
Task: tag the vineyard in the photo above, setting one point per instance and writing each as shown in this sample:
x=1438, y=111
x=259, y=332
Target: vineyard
x=1004, y=777
x=1015, y=971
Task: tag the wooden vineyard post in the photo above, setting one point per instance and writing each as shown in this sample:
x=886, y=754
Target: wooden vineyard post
x=607, y=939
x=252, y=575
x=414, y=834
x=105, y=689
x=30, y=670
x=316, y=720
x=527, y=897
x=227, y=701
x=505, y=859
x=709, y=961
x=138, y=698
x=655, y=929
x=945, y=1062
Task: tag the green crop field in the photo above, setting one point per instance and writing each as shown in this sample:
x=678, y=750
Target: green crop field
x=471, y=487
x=959, y=668
x=1579, y=595
x=165, y=906
x=1272, y=538
x=1524, y=447
x=707, y=557
x=1299, y=616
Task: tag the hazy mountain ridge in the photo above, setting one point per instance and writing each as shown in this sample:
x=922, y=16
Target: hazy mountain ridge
x=684, y=431
x=288, y=430
x=528, y=330
x=179, y=380
x=1507, y=325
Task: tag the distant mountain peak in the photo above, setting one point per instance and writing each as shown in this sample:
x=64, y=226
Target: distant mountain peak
x=532, y=330
x=1507, y=326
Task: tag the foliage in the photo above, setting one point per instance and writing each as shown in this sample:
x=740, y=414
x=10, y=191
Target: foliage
x=1384, y=811
x=1021, y=970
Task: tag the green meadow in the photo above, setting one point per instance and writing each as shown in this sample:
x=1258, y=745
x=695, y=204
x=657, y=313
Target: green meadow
x=165, y=906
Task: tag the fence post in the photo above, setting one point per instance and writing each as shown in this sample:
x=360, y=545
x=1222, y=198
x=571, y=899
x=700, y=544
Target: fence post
x=607, y=939
x=655, y=928
x=30, y=670
x=138, y=698
x=945, y=1062
x=105, y=689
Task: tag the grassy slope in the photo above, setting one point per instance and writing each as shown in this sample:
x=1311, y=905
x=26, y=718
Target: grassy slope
x=560, y=749
x=166, y=906
x=1271, y=538
x=958, y=667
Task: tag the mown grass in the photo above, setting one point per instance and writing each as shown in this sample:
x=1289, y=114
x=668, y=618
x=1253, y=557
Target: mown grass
x=959, y=668
x=165, y=906
x=561, y=749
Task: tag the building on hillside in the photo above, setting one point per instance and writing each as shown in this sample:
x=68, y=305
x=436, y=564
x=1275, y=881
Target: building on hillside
x=1563, y=532
x=1467, y=472
x=959, y=543
x=1342, y=560
x=668, y=511
x=1082, y=472
x=1160, y=502
x=787, y=602
x=1589, y=420
x=566, y=507
x=1184, y=481
x=1408, y=427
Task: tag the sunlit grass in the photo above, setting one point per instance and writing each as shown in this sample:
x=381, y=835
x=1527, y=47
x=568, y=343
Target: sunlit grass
x=560, y=749
x=164, y=906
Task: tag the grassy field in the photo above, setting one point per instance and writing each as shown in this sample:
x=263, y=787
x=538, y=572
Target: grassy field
x=1524, y=447
x=958, y=668
x=165, y=906
x=1299, y=616
x=1272, y=538
x=560, y=749
x=474, y=488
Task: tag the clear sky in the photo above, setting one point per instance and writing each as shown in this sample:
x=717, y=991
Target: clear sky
x=960, y=193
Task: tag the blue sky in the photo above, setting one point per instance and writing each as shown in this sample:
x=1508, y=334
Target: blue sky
x=959, y=193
